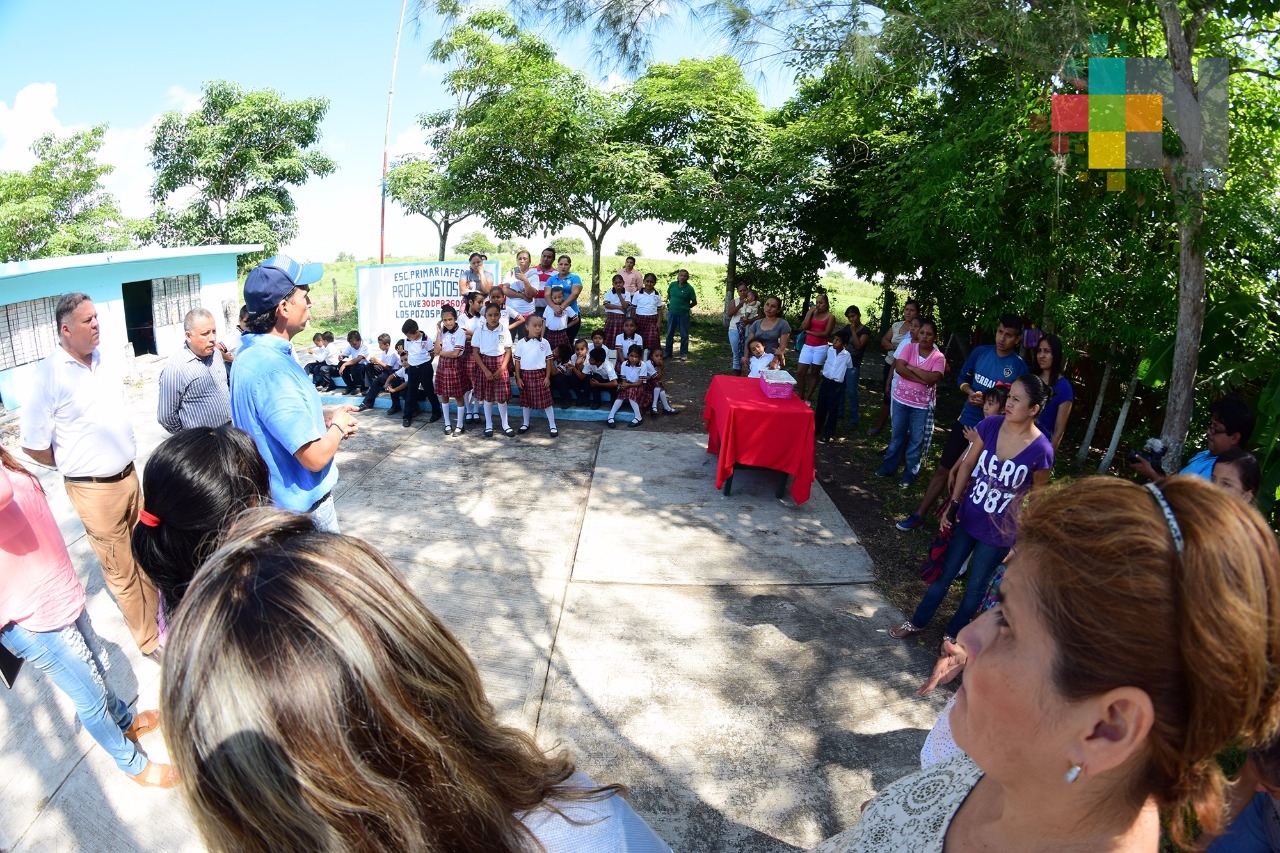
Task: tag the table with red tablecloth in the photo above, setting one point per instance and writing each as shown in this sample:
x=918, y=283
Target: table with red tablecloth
x=744, y=427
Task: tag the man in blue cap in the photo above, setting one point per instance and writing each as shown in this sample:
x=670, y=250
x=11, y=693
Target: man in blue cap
x=273, y=400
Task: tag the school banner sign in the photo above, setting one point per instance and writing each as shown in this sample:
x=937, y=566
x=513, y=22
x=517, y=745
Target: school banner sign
x=389, y=294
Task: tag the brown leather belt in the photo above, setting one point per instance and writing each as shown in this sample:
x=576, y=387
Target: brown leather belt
x=114, y=478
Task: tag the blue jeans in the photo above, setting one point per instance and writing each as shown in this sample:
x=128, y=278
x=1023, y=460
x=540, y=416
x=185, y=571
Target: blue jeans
x=678, y=322
x=849, y=402
x=75, y=661
x=735, y=347
x=908, y=435
x=325, y=516
x=986, y=559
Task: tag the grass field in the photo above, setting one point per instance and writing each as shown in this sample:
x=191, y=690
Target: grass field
x=334, y=297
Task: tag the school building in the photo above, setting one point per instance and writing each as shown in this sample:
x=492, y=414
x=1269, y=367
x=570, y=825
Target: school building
x=141, y=295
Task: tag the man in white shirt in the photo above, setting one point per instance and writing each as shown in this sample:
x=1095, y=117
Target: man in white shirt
x=75, y=420
x=193, y=384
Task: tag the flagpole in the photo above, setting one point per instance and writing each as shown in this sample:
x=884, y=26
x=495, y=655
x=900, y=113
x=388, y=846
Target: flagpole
x=386, y=137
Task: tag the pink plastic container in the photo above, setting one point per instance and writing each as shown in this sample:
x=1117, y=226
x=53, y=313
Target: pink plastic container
x=778, y=390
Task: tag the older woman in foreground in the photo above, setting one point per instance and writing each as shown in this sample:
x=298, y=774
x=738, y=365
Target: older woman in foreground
x=1137, y=634
x=318, y=705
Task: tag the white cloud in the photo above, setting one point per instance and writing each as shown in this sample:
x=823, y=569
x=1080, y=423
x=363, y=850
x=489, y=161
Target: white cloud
x=130, y=183
x=411, y=140
x=30, y=117
x=182, y=99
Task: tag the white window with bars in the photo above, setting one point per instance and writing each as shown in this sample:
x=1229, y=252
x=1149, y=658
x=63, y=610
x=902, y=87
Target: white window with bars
x=172, y=298
x=28, y=331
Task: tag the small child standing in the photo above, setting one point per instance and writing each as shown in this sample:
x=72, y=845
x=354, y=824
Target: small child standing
x=836, y=364
x=657, y=395
x=617, y=307
x=557, y=325
x=491, y=350
x=624, y=341
x=760, y=360
x=632, y=378
x=646, y=306
x=534, y=367
x=471, y=319
x=451, y=380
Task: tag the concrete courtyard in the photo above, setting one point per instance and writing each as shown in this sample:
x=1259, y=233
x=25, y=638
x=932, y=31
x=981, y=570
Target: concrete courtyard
x=724, y=658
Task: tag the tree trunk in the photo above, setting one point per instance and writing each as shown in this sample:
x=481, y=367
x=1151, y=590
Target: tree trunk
x=1186, y=178
x=596, y=243
x=731, y=269
x=1093, y=420
x=1119, y=430
x=443, y=230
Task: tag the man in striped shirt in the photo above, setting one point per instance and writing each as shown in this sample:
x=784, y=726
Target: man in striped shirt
x=193, y=385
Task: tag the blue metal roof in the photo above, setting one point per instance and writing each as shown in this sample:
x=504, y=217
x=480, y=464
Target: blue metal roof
x=149, y=253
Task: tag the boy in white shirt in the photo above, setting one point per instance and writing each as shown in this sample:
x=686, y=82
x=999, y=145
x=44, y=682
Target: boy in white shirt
x=600, y=375
x=382, y=365
x=838, y=362
x=354, y=366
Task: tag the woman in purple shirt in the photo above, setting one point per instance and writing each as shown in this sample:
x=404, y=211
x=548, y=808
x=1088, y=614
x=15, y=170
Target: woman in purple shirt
x=1007, y=457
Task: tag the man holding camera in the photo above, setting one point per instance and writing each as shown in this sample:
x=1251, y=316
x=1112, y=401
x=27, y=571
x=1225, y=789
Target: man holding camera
x=1230, y=425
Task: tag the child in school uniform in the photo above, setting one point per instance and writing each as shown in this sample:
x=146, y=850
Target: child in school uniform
x=318, y=353
x=398, y=382
x=511, y=318
x=491, y=351
x=382, y=364
x=451, y=379
x=657, y=393
x=534, y=368
x=646, y=307
x=626, y=339
x=354, y=366
x=472, y=317
x=557, y=330
x=332, y=358
x=760, y=360
x=565, y=385
x=632, y=378
x=617, y=307
x=838, y=361
x=599, y=374
x=598, y=342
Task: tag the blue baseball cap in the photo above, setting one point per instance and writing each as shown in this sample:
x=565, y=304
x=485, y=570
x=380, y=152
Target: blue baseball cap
x=270, y=281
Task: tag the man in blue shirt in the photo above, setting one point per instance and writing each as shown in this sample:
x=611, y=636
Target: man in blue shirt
x=273, y=400
x=1230, y=425
x=986, y=367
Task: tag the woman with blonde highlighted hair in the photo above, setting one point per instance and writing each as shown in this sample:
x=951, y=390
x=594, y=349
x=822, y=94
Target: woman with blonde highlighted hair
x=315, y=704
x=1136, y=634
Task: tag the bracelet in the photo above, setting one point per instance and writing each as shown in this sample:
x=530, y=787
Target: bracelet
x=340, y=429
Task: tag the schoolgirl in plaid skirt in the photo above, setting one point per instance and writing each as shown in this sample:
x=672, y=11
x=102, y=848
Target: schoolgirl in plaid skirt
x=491, y=350
x=617, y=305
x=451, y=375
x=535, y=365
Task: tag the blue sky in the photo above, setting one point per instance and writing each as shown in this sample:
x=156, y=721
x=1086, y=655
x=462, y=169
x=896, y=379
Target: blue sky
x=71, y=65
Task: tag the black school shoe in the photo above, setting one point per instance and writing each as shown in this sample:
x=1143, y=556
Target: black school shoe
x=393, y=411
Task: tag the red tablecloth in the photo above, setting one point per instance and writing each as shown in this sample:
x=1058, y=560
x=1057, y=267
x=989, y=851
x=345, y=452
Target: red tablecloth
x=744, y=427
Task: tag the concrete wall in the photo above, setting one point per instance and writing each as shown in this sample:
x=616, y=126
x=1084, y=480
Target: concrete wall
x=219, y=292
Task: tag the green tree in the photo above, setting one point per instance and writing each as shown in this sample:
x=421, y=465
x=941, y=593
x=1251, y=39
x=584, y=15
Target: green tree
x=511, y=247
x=534, y=142
x=59, y=206
x=476, y=241
x=566, y=245
x=238, y=155
x=420, y=185
x=628, y=249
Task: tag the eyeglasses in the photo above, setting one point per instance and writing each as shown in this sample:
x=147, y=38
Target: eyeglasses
x=1215, y=430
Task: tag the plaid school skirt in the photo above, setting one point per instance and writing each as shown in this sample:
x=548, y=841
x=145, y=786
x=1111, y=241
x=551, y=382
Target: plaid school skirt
x=612, y=327
x=470, y=373
x=639, y=393
x=556, y=337
x=534, y=394
x=647, y=328
x=497, y=390
x=451, y=379
x=651, y=387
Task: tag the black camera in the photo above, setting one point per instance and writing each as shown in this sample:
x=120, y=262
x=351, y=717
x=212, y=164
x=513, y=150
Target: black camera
x=1153, y=451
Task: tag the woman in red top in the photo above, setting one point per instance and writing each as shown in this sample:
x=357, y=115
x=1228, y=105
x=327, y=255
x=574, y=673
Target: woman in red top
x=817, y=326
x=45, y=623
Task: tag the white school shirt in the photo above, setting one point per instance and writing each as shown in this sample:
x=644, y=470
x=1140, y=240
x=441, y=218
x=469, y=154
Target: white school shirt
x=78, y=412
x=521, y=305
x=491, y=341
x=603, y=372
x=836, y=364
x=647, y=304
x=332, y=355
x=320, y=356
x=636, y=372
x=470, y=324
x=532, y=353
x=558, y=324
x=616, y=303
x=419, y=351
x=351, y=352
x=759, y=363
x=455, y=340
x=390, y=359
x=624, y=343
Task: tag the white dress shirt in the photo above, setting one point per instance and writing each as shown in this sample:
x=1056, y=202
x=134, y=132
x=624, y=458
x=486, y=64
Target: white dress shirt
x=491, y=341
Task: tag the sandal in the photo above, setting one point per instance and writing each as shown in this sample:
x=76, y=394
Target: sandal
x=508, y=432
x=156, y=775
x=906, y=629
x=636, y=422
x=143, y=722
x=523, y=429
x=671, y=411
